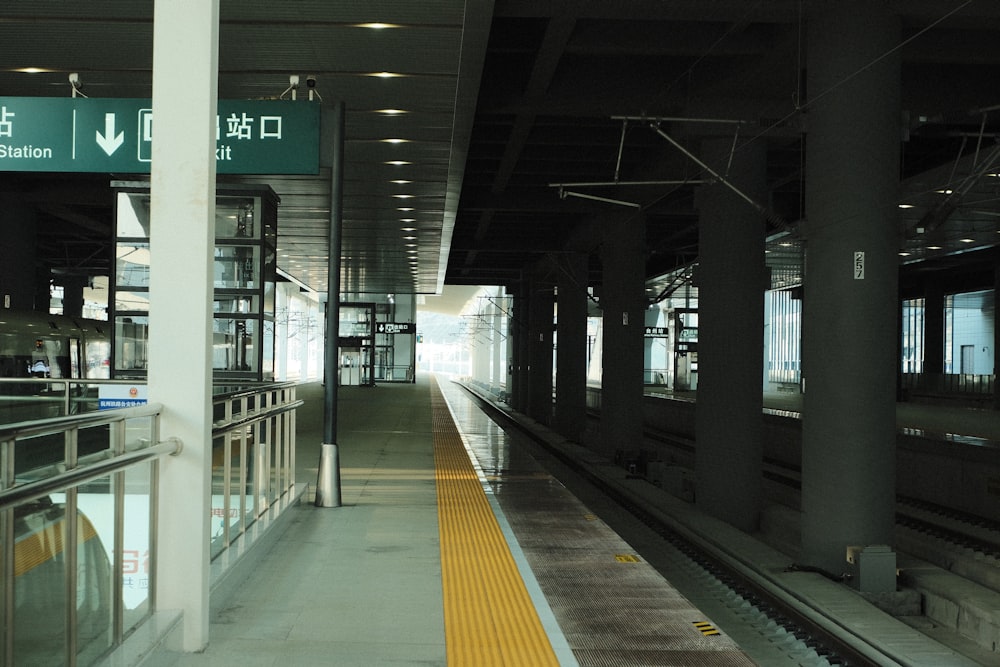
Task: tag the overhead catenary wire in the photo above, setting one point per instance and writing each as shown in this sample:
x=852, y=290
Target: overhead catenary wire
x=812, y=101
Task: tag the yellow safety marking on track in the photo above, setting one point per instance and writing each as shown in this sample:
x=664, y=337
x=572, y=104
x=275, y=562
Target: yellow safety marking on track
x=489, y=617
x=626, y=558
x=706, y=628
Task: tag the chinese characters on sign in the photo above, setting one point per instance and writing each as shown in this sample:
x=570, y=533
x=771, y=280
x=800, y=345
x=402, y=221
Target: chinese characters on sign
x=393, y=328
x=228, y=129
x=10, y=151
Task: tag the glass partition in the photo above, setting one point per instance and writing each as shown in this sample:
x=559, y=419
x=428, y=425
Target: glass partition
x=244, y=273
x=80, y=553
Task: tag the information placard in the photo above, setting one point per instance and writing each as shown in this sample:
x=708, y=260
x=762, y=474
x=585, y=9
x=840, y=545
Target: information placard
x=115, y=135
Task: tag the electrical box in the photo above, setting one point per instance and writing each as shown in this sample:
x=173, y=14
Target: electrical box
x=873, y=568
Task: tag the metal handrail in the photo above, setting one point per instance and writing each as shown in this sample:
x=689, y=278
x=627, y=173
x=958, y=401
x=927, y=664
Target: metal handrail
x=254, y=416
x=25, y=493
x=52, y=425
x=265, y=477
x=248, y=390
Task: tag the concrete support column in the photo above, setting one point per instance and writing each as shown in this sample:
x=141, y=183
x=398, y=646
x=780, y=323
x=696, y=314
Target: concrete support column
x=540, y=316
x=182, y=190
x=17, y=254
x=42, y=299
x=571, y=345
x=72, y=301
x=851, y=301
x=623, y=303
x=933, y=327
x=731, y=275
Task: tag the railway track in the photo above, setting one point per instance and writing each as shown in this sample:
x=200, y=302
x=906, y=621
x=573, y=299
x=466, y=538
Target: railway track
x=771, y=627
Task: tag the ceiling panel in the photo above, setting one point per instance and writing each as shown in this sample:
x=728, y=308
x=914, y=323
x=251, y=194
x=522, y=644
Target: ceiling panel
x=426, y=64
x=505, y=99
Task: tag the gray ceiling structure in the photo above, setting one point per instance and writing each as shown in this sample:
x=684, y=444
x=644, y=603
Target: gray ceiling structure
x=524, y=121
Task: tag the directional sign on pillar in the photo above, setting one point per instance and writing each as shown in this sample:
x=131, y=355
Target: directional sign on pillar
x=115, y=135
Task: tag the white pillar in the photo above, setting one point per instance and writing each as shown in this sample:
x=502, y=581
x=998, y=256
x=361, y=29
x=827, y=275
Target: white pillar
x=182, y=188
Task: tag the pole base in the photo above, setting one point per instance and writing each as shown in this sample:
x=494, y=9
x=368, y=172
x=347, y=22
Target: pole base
x=328, y=482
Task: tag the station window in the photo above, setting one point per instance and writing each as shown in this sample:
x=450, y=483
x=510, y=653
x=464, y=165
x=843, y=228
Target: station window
x=912, y=348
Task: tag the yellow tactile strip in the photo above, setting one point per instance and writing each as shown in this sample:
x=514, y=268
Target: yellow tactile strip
x=488, y=614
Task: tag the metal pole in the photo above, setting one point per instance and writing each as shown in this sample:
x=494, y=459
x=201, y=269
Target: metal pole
x=328, y=483
x=711, y=171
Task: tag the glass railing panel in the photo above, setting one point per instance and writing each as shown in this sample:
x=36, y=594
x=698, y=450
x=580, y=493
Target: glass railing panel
x=268, y=428
x=81, y=557
x=259, y=458
x=95, y=539
x=93, y=442
x=237, y=483
x=220, y=492
x=40, y=588
x=84, y=398
x=260, y=474
x=135, y=562
x=279, y=464
x=38, y=456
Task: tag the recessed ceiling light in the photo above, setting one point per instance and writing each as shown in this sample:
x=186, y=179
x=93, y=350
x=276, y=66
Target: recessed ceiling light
x=32, y=70
x=405, y=208
x=408, y=220
x=904, y=254
x=967, y=240
x=410, y=238
x=395, y=141
x=377, y=26
x=400, y=182
x=385, y=75
x=906, y=206
x=785, y=244
x=403, y=196
x=398, y=163
x=943, y=192
x=391, y=112
x=933, y=247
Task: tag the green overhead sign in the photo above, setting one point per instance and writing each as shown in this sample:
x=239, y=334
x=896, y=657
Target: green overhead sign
x=67, y=134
